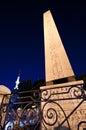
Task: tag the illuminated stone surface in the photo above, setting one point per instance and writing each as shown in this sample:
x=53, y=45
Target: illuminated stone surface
x=57, y=64
x=4, y=100
x=63, y=102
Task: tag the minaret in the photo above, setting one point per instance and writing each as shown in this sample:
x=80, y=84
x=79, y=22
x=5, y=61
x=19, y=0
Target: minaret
x=17, y=82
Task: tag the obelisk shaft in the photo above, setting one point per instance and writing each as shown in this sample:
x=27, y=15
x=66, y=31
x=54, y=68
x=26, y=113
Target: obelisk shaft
x=57, y=64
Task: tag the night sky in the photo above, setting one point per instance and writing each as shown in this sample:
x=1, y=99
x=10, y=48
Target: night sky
x=22, y=38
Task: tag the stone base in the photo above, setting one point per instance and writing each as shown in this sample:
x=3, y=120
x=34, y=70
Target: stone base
x=63, y=106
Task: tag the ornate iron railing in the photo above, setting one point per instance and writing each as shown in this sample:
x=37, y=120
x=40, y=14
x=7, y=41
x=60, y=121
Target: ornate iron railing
x=42, y=109
x=20, y=111
x=64, y=108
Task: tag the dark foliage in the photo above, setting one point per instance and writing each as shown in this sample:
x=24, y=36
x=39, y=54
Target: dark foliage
x=82, y=77
x=37, y=84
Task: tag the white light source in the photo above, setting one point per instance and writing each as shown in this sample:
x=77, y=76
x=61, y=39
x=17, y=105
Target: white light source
x=17, y=82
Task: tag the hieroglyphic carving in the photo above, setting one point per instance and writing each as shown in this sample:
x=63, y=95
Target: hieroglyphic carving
x=57, y=68
x=57, y=64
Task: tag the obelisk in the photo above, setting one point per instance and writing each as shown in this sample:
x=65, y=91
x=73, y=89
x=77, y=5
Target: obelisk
x=57, y=64
x=62, y=104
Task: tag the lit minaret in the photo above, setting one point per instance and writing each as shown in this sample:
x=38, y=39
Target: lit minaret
x=17, y=82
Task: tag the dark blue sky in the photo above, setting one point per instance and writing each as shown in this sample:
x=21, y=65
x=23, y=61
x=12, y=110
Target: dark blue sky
x=22, y=40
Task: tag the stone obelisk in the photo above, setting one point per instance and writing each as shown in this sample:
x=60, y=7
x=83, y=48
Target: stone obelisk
x=63, y=106
x=57, y=64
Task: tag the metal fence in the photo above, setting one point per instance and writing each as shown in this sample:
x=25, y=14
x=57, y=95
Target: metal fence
x=27, y=110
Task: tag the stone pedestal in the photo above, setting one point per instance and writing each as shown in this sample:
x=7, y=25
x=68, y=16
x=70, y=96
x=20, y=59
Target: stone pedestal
x=63, y=106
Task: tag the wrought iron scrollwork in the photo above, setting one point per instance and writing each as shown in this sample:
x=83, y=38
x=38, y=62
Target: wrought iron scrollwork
x=35, y=109
x=53, y=115
x=22, y=111
x=77, y=91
